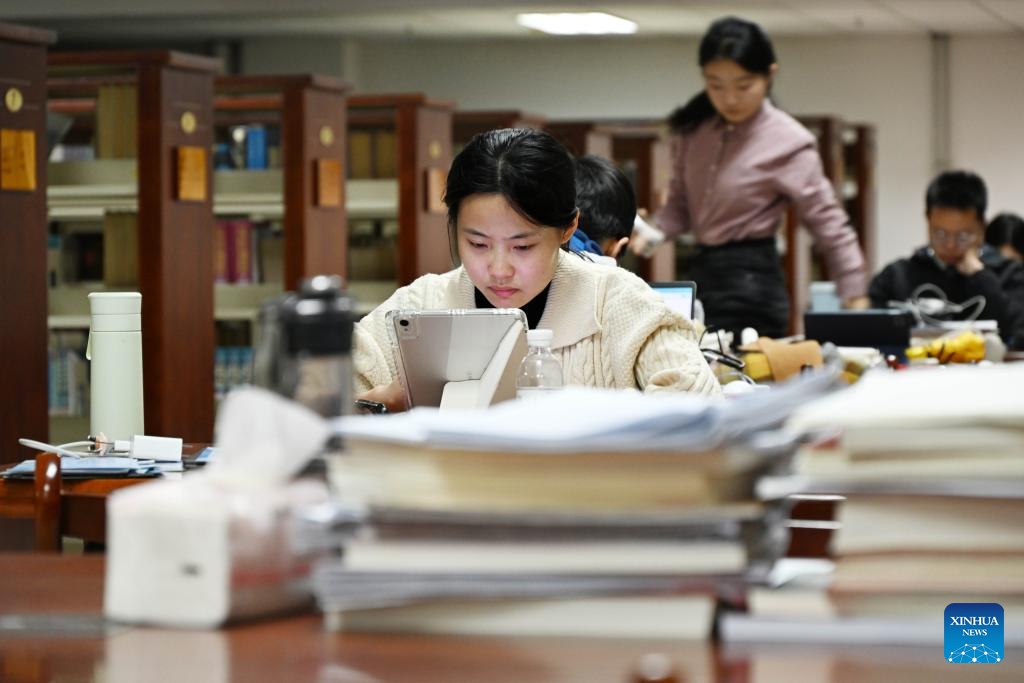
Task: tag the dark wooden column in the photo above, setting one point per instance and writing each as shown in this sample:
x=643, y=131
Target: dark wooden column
x=23, y=287
x=176, y=227
x=313, y=136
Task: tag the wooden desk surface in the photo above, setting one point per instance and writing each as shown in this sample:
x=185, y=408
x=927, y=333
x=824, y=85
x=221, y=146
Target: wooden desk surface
x=297, y=649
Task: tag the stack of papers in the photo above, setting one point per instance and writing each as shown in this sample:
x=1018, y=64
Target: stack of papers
x=91, y=467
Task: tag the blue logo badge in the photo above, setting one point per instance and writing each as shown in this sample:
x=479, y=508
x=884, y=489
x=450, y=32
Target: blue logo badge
x=974, y=633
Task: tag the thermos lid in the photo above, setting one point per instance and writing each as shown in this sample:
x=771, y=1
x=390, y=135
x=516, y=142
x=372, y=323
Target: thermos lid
x=115, y=303
x=318, y=318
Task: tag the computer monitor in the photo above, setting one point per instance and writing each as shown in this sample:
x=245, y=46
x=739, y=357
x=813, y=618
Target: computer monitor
x=679, y=296
x=887, y=330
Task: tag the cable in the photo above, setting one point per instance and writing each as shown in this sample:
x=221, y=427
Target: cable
x=927, y=313
x=63, y=449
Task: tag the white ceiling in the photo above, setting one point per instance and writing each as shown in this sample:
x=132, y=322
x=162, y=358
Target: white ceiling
x=114, y=20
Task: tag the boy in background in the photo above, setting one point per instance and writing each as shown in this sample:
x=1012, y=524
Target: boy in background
x=607, y=205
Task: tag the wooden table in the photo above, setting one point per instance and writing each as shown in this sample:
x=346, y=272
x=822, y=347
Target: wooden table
x=64, y=507
x=61, y=596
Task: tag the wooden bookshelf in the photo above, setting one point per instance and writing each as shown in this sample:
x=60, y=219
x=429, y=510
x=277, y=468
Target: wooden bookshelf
x=466, y=124
x=311, y=115
x=418, y=153
x=584, y=137
x=848, y=159
x=641, y=149
x=23, y=339
x=171, y=95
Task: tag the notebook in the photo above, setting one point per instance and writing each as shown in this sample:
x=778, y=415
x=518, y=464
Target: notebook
x=679, y=296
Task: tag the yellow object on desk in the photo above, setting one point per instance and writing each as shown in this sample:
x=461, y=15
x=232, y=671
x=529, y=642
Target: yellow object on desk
x=966, y=347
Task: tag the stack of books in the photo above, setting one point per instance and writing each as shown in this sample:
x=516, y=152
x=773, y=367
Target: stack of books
x=628, y=515
x=928, y=465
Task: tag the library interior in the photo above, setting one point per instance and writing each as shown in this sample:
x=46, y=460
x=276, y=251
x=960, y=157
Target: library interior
x=784, y=304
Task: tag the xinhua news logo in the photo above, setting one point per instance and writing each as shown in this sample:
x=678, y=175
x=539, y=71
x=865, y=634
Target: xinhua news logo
x=974, y=633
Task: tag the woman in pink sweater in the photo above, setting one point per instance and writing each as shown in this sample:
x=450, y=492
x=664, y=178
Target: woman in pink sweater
x=738, y=164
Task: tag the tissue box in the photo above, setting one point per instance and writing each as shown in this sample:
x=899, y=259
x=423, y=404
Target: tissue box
x=193, y=553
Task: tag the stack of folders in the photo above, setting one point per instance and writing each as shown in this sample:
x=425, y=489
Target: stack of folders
x=627, y=515
x=91, y=467
x=928, y=465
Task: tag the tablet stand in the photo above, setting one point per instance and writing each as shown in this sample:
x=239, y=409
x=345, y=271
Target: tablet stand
x=498, y=381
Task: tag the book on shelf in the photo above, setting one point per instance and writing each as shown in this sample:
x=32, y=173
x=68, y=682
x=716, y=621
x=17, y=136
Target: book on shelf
x=233, y=251
x=54, y=266
x=68, y=374
x=120, y=249
x=117, y=122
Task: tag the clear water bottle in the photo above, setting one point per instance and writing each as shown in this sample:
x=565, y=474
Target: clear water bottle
x=540, y=372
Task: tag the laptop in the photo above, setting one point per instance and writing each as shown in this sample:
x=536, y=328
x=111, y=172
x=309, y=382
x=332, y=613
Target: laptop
x=885, y=329
x=679, y=296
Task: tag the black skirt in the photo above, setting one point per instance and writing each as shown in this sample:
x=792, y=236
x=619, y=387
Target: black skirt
x=741, y=284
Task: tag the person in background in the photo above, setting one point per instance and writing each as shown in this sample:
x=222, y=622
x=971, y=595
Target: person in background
x=607, y=205
x=957, y=261
x=511, y=198
x=738, y=164
x=1005, y=232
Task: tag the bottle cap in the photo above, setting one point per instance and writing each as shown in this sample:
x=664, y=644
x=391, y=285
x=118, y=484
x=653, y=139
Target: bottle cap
x=539, y=337
x=115, y=303
x=318, y=318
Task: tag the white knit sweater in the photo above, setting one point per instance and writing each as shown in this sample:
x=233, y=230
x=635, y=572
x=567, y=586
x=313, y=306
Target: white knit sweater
x=610, y=330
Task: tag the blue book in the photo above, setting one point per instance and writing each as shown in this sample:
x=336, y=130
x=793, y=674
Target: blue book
x=255, y=147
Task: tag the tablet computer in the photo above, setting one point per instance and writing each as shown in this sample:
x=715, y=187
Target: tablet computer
x=679, y=296
x=458, y=357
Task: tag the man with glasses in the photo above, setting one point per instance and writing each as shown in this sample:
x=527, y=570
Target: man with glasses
x=976, y=280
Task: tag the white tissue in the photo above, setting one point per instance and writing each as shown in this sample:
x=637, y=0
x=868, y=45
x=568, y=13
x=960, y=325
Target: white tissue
x=264, y=439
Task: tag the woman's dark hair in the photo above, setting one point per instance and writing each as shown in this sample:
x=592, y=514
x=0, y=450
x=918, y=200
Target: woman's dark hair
x=1006, y=228
x=731, y=38
x=606, y=199
x=529, y=168
x=962, y=190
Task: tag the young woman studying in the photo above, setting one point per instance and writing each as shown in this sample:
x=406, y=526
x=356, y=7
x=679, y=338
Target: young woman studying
x=738, y=163
x=511, y=199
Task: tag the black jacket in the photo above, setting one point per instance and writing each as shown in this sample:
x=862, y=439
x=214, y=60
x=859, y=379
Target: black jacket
x=1001, y=283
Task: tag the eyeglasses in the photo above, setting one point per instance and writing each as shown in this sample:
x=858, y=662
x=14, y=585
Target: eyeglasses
x=961, y=239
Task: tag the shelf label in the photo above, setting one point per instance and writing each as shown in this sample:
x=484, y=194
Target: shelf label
x=13, y=100
x=328, y=182
x=192, y=174
x=17, y=160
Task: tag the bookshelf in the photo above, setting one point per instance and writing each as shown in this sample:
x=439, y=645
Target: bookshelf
x=279, y=198
x=466, y=124
x=583, y=137
x=642, y=151
x=309, y=111
x=399, y=154
x=148, y=116
x=23, y=339
x=848, y=156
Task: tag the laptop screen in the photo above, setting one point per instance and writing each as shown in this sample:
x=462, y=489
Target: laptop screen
x=679, y=296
